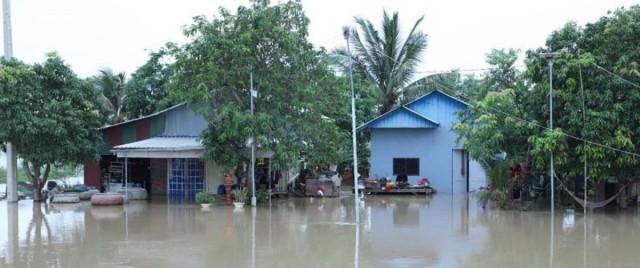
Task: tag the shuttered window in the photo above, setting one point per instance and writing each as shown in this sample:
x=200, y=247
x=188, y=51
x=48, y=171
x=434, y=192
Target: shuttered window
x=407, y=166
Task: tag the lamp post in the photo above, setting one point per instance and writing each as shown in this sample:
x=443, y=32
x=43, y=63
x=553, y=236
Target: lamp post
x=346, y=31
x=550, y=57
x=253, y=94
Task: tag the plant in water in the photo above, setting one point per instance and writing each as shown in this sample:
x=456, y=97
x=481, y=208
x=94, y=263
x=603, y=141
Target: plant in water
x=203, y=198
x=483, y=197
x=240, y=194
x=262, y=197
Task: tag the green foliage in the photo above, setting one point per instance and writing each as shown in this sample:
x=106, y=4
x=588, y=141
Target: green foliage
x=495, y=124
x=147, y=90
x=240, y=194
x=499, y=175
x=262, y=197
x=610, y=102
x=385, y=59
x=510, y=111
x=203, y=198
x=299, y=98
x=49, y=114
x=483, y=197
x=111, y=94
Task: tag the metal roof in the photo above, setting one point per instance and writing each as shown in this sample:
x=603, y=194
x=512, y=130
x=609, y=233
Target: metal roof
x=399, y=117
x=171, y=144
x=144, y=117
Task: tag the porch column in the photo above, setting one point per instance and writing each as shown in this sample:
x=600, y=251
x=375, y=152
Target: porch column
x=12, y=179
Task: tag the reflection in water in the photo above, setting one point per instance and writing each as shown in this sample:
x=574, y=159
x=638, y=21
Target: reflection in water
x=38, y=220
x=356, y=248
x=445, y=231
x=403, y=215
x=12, y=232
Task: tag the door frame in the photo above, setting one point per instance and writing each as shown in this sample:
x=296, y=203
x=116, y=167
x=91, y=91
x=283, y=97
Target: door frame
x=465, y=155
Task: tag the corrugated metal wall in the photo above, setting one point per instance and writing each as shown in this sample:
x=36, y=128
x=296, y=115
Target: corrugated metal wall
x=183, y=121
x=438, y=107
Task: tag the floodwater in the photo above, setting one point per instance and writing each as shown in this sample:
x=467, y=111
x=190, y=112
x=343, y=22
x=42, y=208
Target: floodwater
x=442, y=231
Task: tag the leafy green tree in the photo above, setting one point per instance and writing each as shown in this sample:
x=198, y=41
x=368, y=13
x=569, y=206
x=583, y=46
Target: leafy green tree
x=147, y=90
x=299, y=97
x=50, y=115
x=112, y=93
x=385, y=59
x=595, y=96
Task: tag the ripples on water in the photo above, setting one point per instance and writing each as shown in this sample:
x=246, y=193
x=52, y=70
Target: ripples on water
x=443, y=231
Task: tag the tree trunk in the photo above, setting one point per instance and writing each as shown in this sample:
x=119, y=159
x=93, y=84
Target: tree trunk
x=33, y=171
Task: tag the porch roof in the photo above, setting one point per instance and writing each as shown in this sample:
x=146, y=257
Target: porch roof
x=161, y=147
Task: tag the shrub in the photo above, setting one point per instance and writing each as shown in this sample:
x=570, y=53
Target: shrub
x=240, y=194
x=203, y=198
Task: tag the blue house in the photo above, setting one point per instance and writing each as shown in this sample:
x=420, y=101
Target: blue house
x=416, y=139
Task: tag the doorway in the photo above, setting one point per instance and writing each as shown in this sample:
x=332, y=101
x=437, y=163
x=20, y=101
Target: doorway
x=460, y=171
x=185, y=178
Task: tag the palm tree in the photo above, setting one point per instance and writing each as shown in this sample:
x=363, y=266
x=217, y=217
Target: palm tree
x=112, y=89
x=385, y=59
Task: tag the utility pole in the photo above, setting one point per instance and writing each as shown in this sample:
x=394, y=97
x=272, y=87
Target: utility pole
x=253, y=94
x=12, y=159
x=550, y=57
x=346, y=31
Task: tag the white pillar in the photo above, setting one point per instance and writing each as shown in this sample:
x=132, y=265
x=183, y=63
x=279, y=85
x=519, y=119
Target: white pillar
x=6, y=19
x=12, y=180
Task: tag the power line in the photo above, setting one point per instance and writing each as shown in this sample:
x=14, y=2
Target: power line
x=616, y=75
x=562, y=132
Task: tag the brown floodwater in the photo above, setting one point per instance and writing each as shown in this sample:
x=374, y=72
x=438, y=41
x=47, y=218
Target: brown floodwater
x=439, y=231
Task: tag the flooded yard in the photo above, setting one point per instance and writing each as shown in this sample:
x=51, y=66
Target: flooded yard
x=442, y=231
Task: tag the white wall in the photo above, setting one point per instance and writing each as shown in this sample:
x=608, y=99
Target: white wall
x=213, y=177
x=477, y=176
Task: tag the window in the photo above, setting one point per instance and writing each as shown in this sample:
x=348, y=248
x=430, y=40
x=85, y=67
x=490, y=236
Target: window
x=408, y=166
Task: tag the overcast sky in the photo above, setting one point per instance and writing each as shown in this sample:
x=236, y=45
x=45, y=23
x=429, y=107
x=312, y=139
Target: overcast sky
x=118, y=34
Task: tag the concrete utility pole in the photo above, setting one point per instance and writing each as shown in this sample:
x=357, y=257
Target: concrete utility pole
x=12, y=159
x=346, y=31
x=254, y=201
x=550, y=57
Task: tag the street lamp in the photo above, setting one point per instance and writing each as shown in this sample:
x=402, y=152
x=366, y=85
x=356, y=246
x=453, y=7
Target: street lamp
x=550, y=57
x=253, y=94
x=346, y=32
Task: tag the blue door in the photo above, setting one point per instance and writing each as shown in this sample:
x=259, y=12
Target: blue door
x=185, y=179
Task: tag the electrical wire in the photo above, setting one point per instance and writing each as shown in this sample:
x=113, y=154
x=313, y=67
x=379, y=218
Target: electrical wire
x=616, y=75
x=560, y=131
x=530, y=121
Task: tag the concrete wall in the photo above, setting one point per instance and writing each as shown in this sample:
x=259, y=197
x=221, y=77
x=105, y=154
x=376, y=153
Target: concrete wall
x=213, y=177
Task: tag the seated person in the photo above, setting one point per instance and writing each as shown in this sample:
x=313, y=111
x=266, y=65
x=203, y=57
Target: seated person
x=402, y=181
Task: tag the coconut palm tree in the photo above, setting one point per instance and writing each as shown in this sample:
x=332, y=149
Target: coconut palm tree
x=112, y=89
x=386, y=59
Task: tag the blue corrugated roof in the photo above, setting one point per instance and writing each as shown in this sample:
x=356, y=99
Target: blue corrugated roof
x=401, y=117
x=415, y=114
